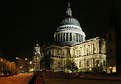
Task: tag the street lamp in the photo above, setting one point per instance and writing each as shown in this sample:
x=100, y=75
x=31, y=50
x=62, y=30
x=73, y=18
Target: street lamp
x=1, y=64
x=12, y=66
x=26, y=58
x=12, y=62
x=110, y=69
x=17, y=57
x=21, y=67
x=1, y=60
x=30, y=62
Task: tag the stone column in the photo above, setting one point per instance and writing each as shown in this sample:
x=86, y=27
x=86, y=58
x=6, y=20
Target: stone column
x=78, y=37
x=68, y=36
x=91, y=62
x=91, y=48
x=100, y=66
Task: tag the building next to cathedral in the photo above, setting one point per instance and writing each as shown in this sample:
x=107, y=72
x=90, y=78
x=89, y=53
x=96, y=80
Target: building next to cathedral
x=70, y=45
x=111, y=50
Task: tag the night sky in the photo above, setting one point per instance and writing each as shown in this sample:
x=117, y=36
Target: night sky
x=22, y=22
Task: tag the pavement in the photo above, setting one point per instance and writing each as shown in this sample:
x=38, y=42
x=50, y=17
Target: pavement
x=16, y=79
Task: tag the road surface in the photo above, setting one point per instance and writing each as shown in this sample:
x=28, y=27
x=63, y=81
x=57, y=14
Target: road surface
x=16, y=79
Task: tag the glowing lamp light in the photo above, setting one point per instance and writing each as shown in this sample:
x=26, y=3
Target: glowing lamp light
x=1, y=60
x=17, y=58
x=26, y=58
x=90, y=69
x=110, y=67
x=30, y=62
x=21, y=67
x=31, y=69
x=12, y=62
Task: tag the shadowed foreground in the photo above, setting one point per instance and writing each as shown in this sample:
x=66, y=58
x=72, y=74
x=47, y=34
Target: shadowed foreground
x=62, y=78
x=79, y=81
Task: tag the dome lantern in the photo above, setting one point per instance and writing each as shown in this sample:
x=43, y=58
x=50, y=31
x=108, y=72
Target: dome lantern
x=68, y=11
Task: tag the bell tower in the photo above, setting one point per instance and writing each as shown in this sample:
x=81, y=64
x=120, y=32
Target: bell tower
x=36, y=48
x=36, y=57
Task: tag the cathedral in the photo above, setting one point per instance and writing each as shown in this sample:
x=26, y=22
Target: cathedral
x=70, y=45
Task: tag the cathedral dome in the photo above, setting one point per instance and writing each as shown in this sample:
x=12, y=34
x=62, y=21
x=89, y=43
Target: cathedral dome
x=69, y=32
x=70, y=21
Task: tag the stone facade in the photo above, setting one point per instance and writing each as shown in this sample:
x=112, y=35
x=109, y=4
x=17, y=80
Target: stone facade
x=86, y=55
